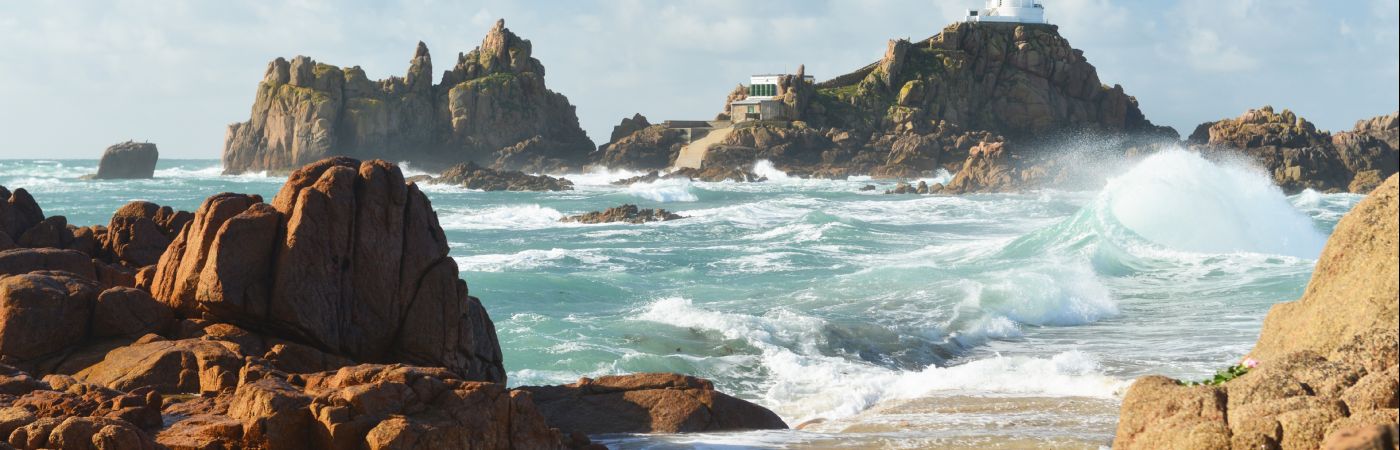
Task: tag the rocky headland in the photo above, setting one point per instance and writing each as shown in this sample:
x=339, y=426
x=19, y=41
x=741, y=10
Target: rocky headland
x=1299, y=156
x=127, y=160
x=1324, y=372
x=491, y=107
x=926, y=105
x=329, y=316
x=628, y=213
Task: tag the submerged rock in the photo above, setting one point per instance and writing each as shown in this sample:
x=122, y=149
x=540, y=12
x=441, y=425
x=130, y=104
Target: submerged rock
x=1326, y=372
x=128, y=160
x=626, y=213
x=472, y=176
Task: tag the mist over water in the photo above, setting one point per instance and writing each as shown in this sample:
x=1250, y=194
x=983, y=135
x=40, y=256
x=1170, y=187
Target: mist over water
x=893, y=320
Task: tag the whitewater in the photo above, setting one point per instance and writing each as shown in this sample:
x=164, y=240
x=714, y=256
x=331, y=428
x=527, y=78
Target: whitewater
x=870, y=320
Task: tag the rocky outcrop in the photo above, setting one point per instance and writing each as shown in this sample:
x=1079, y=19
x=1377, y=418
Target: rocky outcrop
x=1325, y=368
x=1299, y=156
x=18, y=213
x=347, y=259
x=925, y=105
x=267, y=329
x=140, y=231
x=490, y=107
x=649, y=148
x=128, y=160
x=471, y=176
x=628, y=126
x=647, y=403
x=626, y=213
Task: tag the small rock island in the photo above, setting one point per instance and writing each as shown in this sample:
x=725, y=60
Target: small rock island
x=128, y=160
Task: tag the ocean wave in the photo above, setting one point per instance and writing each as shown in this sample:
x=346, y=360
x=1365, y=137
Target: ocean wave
x=764, y=168
x=671, y=190
x=514, y=217
x=1182, y=201
x=802, y=384
x=574, y=259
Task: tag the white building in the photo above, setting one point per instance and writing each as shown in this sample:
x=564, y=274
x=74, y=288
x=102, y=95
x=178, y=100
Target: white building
x=762, y=102
x=1009, y=11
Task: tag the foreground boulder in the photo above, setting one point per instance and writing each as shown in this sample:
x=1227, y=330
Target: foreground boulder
x=128, y=160
x=647, y=403
x=626, y=213
x=471, y=176
x=347, y=258
x=1327, y=369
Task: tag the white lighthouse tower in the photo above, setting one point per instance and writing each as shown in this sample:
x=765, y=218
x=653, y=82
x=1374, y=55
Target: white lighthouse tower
x=1009, y=11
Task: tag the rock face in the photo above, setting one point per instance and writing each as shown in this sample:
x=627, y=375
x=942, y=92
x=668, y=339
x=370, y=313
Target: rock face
x=1299, y=156
x=1327, y=373
x=491, y=107
x=128, y=160
x=347, y=258
x=647, y=403
x=269, y=313
x=471, y=176
x=652, y=147
x=926, y=104
x=626, y=213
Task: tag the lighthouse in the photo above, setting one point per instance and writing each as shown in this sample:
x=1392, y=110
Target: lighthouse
x=1009, y=11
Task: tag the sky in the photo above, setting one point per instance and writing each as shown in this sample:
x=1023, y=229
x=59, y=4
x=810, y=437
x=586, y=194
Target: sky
x=78, y=76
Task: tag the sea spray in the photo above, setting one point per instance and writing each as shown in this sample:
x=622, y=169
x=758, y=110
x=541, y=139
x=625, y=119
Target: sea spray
x=764, y=168
x=669, y=190
x=1182, y=201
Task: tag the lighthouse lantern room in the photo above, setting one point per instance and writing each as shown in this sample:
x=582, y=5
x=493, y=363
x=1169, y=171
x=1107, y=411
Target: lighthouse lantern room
x=1009, y=11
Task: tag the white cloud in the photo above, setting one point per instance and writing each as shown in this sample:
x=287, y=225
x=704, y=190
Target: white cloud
x=78, y=76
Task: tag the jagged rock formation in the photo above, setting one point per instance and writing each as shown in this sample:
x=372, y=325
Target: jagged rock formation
x=926, y=104
x=628, y=213
x=269, y=312
x=628, y=126
x=471, y=176
x=491, y=107
x=1327, y=374
x=347, y=258
x=1299, y=156
x=128, y=160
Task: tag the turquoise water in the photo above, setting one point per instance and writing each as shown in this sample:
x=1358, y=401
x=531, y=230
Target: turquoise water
x=884, y=321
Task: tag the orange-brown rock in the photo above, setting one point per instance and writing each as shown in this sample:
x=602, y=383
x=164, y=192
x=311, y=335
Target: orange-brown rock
x=43, y=313
x=347, y=259
x=18, y=212
x=183, y=366
x=140, y=231
x=1299, y=156
x=646, y=403
x=1353, y=288
x=1327, y=374
x=24, y=260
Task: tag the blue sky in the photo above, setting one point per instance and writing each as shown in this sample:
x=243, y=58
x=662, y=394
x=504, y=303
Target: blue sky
x=78, y=76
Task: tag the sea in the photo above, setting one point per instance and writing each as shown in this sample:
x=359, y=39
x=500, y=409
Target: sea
x=864, y=320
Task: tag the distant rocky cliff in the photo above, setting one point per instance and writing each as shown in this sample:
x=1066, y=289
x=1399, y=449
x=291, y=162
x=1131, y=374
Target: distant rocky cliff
x=926, y=104
x=1299, y=156
x=491, y=107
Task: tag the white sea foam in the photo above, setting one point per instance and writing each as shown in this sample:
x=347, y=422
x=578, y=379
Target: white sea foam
x=536, y=259
x=599, y=176
x=514, y=217
x=764, y=168
x=803, y=383
x=1182, y=201
x=671, y=190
